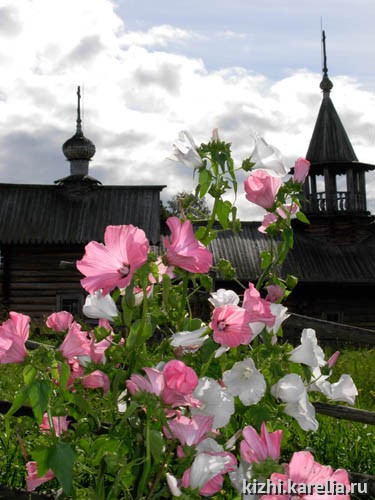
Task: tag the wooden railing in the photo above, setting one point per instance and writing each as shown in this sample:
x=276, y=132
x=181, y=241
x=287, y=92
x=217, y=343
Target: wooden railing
x=341, y=201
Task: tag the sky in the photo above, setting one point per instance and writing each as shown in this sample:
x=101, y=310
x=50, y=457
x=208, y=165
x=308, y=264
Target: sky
x=149, y=69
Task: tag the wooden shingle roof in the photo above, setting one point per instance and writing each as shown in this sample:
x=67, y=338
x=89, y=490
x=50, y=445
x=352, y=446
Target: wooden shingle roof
x=311, y=260
x=45, y=214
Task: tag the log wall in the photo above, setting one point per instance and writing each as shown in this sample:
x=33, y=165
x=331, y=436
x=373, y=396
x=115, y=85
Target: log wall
x=34, y=282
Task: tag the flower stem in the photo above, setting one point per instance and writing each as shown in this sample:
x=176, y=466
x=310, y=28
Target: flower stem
x=147, y=462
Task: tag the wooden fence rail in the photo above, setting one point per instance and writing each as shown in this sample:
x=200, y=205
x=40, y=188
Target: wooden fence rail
x=328, y=331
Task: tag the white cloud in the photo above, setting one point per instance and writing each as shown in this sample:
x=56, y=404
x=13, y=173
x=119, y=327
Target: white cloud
x=158, y=36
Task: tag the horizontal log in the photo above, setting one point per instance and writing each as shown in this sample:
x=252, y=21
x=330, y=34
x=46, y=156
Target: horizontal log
x=47, y=286
x=345, y=413
x=17, y=494
x=358, y=477
x=36, y=271
x=34, y=299
x=327, y=330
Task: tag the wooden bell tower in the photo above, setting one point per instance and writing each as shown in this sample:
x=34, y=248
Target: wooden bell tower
x=336, y=185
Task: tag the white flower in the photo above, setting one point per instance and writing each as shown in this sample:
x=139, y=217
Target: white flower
x=245, y=381
x=281, y=314
x=172, y=484
x=237, y=478
x=267, y=157
x=99, y=306
x=316, y=380
x=343, y=390
x=256, y=328
x=221, y=350
x=224, y=297
x=209, y=445
x=205, y=467
x=215, y=401
x=185, y=151
x=121, y=403
x=289, y=389
x=304, y=412
x=189, y=341
x=308, y=353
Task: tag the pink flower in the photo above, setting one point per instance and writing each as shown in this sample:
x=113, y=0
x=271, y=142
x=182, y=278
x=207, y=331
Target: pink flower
x=286, y=210
x=60, y=424
x=275, y=293
x=261, y=188
x=13, y=334
x=97, y=349
x=32, y=479
x=231, y=326
x=189, y=431
x=59, y=321
x=301, y=170
x=333, y=359
x=153, y=382
x=268, y=219
x=258, y=308
x=76, y=371
x=162, y=269
x=96, y=380
x=113, y=264
x=105, y=324
x=184, y=250
x=180, y=382
x=257, y=448
x=75, y=343
x=303, y=470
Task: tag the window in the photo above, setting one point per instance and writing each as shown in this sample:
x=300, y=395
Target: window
x=334, y=317
x=72, y=303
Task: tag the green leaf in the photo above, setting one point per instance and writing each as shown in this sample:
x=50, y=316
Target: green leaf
x=223, y=209
x=18, y=400
x=206, y=282
x=103, y=446
x=39, y=393
x=156, y=444
x=302, y=217
x=64, y=374
x=191, y=324
x=147, y=331
x=247, y=165
x=266, y=259
x=131, y=341
x=29, y=373
x=61, y=460
x=167, y=283
x=257, y=414
x=288, y=236
x=40, y=455
x=131, y=409
x=291, y=281
x=205, y=178
x=199, y=233
x=226, y=270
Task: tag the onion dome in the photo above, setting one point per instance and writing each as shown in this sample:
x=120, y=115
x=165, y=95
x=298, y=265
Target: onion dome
x=78, y=147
